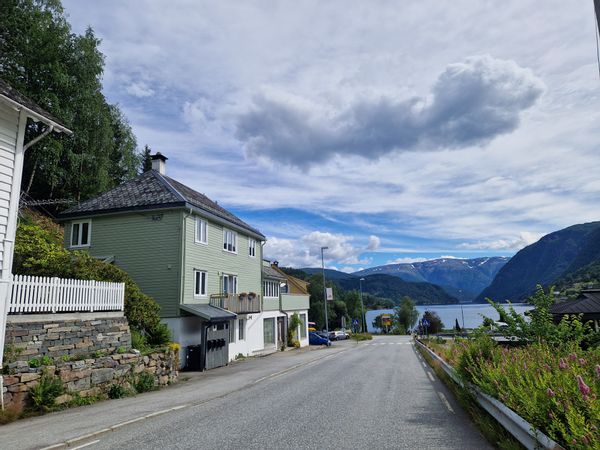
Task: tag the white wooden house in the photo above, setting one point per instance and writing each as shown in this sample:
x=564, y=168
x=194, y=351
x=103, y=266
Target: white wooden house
x=15, y=111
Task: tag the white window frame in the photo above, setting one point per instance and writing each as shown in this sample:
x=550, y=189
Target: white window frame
x=80, y=234
x=201, y=231
x=252, y=248
x=241, y=329
x=271, y=289
x=235, y=282
x=201, y=274
x=229, y=241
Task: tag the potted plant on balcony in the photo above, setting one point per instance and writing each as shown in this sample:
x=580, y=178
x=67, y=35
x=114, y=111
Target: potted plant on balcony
x=242, y=296
x=251, y=295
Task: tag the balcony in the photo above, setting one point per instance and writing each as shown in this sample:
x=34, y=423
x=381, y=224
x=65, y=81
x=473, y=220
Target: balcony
x=236, y=303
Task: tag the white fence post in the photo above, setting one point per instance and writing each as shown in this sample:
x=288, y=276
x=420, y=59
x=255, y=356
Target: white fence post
x=30, y=294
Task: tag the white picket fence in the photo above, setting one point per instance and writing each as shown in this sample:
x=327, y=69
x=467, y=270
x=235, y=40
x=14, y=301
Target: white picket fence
x=47, y=294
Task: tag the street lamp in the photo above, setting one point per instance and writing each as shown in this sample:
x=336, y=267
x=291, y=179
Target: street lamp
x=362, y=307
x=324, y=290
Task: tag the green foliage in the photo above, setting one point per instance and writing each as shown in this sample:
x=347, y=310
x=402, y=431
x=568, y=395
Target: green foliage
x=121, y=350
x=80, y=400
x=406, y=315
x=39, y=362
x=144, y=382
x=159, y=335
x=362, y=336
x=146, y=163
x=43, y=394
x=99, y=354
x=138, y=340
x=118, y=391
x=292, y=331
x=541, y=327
x=61, y=71
x=435, y=323
x=39, y=251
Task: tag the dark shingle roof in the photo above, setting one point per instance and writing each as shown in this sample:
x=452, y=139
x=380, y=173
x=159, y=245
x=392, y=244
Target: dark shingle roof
x=17, y=97
x=152, y=190
x=587, y=303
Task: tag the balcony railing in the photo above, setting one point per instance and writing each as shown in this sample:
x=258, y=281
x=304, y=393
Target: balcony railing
x=239, y=304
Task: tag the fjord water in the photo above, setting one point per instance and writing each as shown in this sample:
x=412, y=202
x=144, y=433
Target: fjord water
x=473, y=313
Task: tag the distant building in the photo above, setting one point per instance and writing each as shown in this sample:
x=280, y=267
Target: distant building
x=587, y=304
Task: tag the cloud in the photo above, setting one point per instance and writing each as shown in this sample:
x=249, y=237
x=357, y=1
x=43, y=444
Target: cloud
x=471, y=103
x=140, y=89
x=524, y=239
x=405, y=260
x=306, y=251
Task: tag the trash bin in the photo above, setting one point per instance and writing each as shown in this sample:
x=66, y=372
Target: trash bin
x=193, y=359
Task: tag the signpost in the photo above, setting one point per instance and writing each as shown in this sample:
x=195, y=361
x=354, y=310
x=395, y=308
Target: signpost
x=329, y=292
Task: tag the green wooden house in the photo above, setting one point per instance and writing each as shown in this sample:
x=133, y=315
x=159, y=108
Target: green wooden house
x=200, y=262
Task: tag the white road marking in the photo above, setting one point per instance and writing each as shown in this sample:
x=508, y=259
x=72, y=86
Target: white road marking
x=430, y=376
x=88, y=444
x=445, y=401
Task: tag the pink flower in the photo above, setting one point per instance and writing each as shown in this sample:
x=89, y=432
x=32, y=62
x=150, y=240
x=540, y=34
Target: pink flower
x=562, y=363
x=573, y=356
x=550, y=393
x=583, y=388
x=547, y=367
x=582, y=362
x=585, y=440
x=598, y=371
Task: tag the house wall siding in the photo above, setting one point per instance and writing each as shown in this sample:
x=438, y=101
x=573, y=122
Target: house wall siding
x=149, y=250
x=215, y=261
x=9, y=124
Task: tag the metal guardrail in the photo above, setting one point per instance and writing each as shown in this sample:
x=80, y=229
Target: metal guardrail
x=523, y=431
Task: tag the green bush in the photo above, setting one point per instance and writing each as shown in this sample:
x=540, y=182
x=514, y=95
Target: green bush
x=362, y=336
x=159, y=335
x=38, y=362
x=138, y=340
x=144, y=382
x=43, y=394
x=117, y=391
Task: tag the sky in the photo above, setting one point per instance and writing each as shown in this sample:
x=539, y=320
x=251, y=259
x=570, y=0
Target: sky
x=386, y=131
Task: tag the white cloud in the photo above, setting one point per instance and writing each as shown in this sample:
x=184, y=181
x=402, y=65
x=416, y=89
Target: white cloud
x=140, y=89
x=306, y=251
x=405, y=260
x=524, y=239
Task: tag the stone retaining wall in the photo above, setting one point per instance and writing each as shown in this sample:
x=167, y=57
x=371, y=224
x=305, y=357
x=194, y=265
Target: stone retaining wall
x=56, y=338
x=91, y=376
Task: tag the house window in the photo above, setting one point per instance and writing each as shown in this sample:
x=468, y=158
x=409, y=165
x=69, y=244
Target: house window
x=80, y=233
x=269, y=331
x=241, y=325
x=252, y=247
x=199, y=283
x=229, y=241
x=201, y=231
x=230, y=284
x=303, y=326
x=270, y=289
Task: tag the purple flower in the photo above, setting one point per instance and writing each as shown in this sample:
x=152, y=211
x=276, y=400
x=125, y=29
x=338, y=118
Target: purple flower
x=573, y=356
x=597, y=371
x=583, y=388
x=585, y=440
x=582, y=362
x=562, y=363
x=550, y=393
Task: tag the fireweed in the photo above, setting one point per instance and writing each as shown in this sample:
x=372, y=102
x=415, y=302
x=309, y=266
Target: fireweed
x=555, y=389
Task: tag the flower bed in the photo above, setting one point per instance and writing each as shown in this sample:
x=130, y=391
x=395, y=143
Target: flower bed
x=556, y=390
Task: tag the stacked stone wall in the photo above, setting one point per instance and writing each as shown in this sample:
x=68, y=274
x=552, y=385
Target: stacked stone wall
x=56, y=338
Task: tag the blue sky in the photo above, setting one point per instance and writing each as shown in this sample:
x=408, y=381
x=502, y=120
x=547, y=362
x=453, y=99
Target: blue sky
x=386, y=131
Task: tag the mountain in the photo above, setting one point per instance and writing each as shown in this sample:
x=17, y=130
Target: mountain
x=388, y=286
x=395, y=288
x=553, y=258
x=461, y=278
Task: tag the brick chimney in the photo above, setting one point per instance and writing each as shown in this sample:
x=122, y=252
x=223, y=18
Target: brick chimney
x=159, y=162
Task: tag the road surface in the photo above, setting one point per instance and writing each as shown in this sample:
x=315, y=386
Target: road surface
x=378, y=394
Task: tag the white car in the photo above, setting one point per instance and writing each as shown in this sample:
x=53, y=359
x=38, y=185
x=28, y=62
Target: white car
x=341, y=335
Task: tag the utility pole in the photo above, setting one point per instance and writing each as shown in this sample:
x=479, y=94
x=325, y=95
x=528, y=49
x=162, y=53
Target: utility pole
x=362, y=307
x=324, y=290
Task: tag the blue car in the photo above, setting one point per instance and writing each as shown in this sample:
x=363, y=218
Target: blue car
x=315, y=339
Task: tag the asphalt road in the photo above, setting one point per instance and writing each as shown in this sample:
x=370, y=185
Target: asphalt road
x=375, y=395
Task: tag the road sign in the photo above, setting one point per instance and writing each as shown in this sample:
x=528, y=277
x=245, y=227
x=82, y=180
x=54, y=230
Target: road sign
x=329, y=292
x=425, y=322
x=354, y=322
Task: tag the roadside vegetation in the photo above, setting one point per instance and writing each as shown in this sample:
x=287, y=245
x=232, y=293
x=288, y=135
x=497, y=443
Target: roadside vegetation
x=551, y=378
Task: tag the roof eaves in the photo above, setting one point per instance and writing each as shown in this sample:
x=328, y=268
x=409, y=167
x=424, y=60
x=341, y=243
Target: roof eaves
x=103, y=212
x=224, y=221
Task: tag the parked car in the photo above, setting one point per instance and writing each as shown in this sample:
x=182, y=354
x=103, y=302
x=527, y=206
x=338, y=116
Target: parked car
x=315, y=339
x=341, y=335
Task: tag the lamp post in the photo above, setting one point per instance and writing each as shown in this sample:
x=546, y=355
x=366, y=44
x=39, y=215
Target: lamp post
x=362, y=307
x=324, y=290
